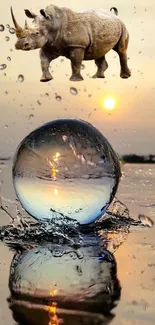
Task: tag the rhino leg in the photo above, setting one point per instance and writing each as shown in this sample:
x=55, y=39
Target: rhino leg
x=121, y=49
x=102, y=65
x=46, y=57
x=76, y=56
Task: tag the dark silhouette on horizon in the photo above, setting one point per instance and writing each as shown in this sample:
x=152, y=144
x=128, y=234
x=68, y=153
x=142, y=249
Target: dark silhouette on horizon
x=138, y=159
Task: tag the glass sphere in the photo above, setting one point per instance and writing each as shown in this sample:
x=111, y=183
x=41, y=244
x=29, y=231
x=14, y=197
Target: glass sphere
x=66, y=168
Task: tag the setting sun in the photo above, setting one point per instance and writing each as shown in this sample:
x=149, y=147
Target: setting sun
x=109, y=103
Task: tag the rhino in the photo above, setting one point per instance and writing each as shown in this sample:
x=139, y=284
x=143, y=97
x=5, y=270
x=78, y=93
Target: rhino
x=85, y=35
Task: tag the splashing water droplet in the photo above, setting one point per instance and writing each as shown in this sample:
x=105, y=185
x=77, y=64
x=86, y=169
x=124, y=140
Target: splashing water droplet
x=3, y=66
x=73, y=91
x=65, y=166
x=20, y=78
x=11, y=30
x=7, y=38
x=2, y=28
x=58, y=98
x=8, y=58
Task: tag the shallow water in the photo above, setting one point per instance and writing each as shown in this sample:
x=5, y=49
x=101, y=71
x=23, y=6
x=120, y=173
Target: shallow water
x=135, y=257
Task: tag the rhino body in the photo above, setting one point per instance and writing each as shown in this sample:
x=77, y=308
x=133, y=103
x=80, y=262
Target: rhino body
x=85, y=35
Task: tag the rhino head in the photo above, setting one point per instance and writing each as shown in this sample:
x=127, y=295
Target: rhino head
x=36, y=36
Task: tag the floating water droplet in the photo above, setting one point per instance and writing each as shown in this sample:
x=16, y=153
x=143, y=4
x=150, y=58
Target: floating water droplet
x=3, y=66
x=30, y=116
x=8, y=58
x=73, y=91
x=7, y=38
x=20, y=78
x=82, y=66
x=6, y=92
x=11, y=30
x=2, y=28
x=46, y=189
x=7, y=26
x=58, y=98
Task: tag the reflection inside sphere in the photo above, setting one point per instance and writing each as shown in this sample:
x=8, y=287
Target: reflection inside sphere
x=51, y=284
x=66, y=168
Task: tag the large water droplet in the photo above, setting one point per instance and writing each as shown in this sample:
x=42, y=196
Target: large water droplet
x=20, y=78
x=73, y=91
x=7, y=38
x=3, y=66
x=63, y=167
x=11, y=30
x=2, y=28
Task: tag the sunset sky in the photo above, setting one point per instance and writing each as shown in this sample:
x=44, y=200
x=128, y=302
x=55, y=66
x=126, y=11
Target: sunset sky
x=130, y=127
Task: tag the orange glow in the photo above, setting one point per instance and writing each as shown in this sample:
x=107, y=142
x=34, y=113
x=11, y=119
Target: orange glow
x=52, y=309
x=54, y=170
x=56, y=156
x=52, y=293
x=56, y=192
x=54, y=320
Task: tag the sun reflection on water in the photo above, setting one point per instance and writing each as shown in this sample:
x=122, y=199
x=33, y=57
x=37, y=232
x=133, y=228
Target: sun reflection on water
x=53, y=164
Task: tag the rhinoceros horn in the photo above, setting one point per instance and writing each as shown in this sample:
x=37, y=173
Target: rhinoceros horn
x=26, y=25
x=18, y=28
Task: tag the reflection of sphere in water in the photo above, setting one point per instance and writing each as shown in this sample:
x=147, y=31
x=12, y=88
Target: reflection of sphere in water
x=82, y=283
x=66, y=168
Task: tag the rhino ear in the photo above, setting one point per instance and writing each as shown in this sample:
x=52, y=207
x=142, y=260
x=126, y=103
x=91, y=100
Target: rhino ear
x=43, y=13
x=30, y=14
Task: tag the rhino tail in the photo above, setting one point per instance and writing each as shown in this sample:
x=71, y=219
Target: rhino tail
x=115, y=10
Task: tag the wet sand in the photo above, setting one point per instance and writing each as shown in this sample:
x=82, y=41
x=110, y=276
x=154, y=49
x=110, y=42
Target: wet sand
x=135, y=257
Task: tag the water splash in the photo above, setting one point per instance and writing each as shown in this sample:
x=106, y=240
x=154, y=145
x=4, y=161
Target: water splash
x=24, y=230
